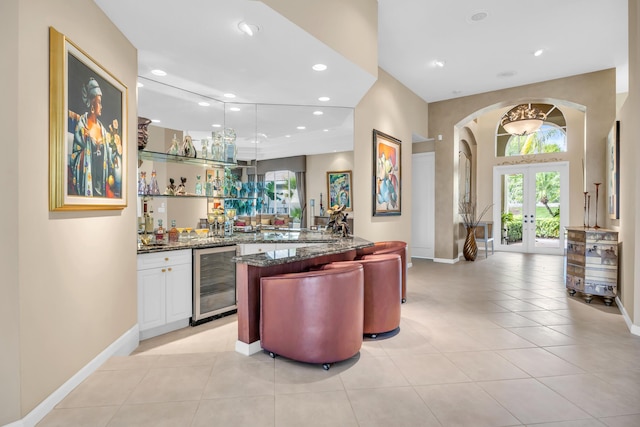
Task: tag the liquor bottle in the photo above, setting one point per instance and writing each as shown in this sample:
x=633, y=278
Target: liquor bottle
x=174, y=235
x=148, y=219
x=160, y=235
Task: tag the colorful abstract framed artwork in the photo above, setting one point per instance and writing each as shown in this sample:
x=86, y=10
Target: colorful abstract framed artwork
x=339, y=189
x=613, y=171
x=87, y=131
x=387, y=174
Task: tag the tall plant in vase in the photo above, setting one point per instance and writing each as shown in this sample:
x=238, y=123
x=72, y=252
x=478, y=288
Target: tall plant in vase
x=470, y=219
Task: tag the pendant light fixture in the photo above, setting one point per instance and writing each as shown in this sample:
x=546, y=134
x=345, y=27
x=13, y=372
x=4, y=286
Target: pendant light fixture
x=523, y=120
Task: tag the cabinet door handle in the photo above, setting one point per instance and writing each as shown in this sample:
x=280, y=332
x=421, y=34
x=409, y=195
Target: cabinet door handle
x=166, y=259
x=169, y=268
x=164, y=270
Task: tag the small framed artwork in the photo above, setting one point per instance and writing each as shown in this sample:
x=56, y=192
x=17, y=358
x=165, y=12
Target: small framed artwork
x=339, y=189
x=613, y=171
x=87, y=131
x=387, y=169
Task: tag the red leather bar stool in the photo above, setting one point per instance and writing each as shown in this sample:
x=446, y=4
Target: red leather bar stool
x=382, y=288
x=313, y=316
x=391, y=247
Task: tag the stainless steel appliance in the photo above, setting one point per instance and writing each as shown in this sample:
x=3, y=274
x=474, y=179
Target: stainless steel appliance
x=214, y=283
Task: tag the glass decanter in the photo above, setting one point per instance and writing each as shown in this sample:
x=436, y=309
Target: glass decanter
x=209, y=186
x=230, y=149
x=154, y=189
x=142, y=184
x=198, y=186
x=174, y=150
x=205, y=148
x=217, y=148
x=217, y=184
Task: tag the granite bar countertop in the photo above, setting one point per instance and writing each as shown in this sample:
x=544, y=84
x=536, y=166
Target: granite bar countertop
x=329, y=244
x=283, y=256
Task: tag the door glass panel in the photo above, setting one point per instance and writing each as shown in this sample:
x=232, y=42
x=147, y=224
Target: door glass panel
x=512, y=200
x=547, y=219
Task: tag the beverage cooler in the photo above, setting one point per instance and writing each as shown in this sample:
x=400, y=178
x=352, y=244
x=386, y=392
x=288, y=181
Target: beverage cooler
x=214, y=282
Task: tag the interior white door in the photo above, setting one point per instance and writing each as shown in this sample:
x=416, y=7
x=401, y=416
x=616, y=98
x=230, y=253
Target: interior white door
x=423, y=200
x=536, y=199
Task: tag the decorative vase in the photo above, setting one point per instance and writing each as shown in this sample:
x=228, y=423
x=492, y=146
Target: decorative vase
x=143, y=132
x=470, y=248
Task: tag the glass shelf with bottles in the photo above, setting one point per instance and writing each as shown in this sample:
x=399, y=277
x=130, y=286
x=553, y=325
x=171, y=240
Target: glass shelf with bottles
x=164, y=157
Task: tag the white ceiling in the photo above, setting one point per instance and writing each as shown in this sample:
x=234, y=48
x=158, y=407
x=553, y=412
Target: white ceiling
x=199, y=45
x=578, y=36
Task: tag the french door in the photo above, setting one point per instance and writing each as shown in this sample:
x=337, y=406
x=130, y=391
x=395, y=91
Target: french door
x=531, y=204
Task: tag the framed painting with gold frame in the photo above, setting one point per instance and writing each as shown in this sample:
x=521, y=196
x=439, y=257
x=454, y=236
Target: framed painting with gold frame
x=339, y=189
x=87, y=131
x=387, y=171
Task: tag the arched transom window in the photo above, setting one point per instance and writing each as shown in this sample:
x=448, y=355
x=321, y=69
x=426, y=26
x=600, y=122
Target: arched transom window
x=550, y=138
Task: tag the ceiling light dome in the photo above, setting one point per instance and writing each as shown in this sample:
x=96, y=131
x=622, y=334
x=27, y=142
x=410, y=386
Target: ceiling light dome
x=522, y=120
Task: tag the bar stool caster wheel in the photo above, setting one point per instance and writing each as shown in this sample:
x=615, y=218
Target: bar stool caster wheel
x=272, y=355
x=326, y=366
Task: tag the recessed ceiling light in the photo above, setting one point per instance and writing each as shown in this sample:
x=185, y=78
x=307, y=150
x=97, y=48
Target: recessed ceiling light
x=216, y=125
x=319, y=67
x=538, y=52
x=325, y=130
x=318, y=113
x=155, y=121
x=478, y=16
x=229, y=95
x=248, y=29
x=158, y=72
x=301, y=127
x=139, y=84
x=234, y=109
x=287, y=136
x=203, y=104
x=438, y=63
x=324, y=98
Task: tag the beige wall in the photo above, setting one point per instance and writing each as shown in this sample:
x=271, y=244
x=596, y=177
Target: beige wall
x=75, y=271
x=349, y=27
x=630, y=177
x=593, y=91
x=393, y=109
x=317, y=168
x=9, y=217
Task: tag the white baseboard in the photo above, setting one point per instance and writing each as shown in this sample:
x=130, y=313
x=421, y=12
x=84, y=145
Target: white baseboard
x=163, y=329
x=248, y=349
x=634, y=329
x=123, y=346
x=446, y=260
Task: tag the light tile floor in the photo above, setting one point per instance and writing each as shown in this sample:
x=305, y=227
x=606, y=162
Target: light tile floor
x=495, y=342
